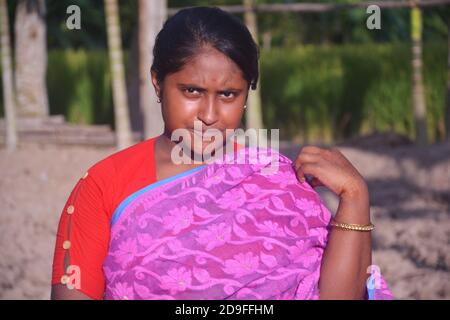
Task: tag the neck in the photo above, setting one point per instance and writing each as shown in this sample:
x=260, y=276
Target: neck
x=164, y=147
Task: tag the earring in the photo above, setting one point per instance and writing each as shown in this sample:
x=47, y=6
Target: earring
x=158, y=100
x=245, y=106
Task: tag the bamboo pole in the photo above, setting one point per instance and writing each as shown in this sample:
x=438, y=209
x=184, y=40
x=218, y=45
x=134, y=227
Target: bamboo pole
x=121, y=116
x=152, y=15
x=418, y=96
x=253, y=112
x=447, y=114
x=7, y=78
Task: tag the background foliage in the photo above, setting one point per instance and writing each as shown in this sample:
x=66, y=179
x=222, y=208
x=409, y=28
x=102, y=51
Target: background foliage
x=326, y=76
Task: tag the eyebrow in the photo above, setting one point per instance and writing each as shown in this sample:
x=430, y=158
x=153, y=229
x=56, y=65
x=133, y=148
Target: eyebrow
x=191, y=85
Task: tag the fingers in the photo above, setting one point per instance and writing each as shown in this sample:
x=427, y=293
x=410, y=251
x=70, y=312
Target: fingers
x=308, y=157
x=299, y=173
x=312, y=162
x=308, y=168
x=308, y=154
x=305, y=156
x=305, y=169
x=306, y=162
x=311, y=149
x=315, y=182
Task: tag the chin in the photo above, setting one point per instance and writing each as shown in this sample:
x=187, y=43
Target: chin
x=199, y=147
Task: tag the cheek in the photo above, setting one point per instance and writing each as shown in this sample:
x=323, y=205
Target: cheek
x=232, y=115
x=176, y=109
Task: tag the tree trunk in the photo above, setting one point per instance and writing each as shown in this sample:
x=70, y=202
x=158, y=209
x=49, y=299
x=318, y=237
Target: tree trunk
x=133, y=85
x=31, y=59
x=447, y=113
x=7, y=77
x=253, y=111
x=121, y=116
x=267, y=41
x=152, y=15
x=418, y=97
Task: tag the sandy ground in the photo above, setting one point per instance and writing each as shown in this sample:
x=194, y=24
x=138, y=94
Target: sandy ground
x=410, y=200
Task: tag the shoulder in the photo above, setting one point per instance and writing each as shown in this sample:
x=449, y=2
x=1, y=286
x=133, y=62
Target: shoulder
x=278, y=179
x=275, y=170
x=124, y=160
x=113, y=178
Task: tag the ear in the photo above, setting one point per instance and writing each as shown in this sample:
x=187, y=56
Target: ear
x=156, y=84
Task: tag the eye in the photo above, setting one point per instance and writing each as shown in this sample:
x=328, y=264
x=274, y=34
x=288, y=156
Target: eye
x=228, y=94
x=191, y=90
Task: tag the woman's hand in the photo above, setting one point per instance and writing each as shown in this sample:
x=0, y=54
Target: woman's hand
x=348, y=253
x=329, y=168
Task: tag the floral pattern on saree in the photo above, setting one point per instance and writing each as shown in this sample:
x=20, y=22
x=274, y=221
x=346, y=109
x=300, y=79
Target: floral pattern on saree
x=227, y=231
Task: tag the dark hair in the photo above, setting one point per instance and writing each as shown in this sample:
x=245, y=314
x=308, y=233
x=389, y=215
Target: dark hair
x=189, y=29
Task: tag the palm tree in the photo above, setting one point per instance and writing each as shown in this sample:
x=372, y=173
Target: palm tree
x=31, y=58
x=152, y=15
x=418, y=98
x=7, y=77
x=121, y=116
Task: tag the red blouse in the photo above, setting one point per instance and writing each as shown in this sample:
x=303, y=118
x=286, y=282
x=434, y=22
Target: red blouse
x=83, y=232
x=83, y=235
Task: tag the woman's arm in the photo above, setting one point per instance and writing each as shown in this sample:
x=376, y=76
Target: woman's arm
x=61, y=292
x=343, y=272
x=348, y=254
x=86, y=227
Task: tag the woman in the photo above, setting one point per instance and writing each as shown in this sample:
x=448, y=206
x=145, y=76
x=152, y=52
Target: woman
x=139, y=226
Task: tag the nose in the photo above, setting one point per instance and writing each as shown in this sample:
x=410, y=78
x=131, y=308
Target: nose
x=208, y=112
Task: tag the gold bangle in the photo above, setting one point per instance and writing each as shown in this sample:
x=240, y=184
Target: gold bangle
x=353, y=227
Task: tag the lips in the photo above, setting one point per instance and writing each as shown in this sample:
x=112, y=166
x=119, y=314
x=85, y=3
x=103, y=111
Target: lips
x=202, y=134
x=199, y=134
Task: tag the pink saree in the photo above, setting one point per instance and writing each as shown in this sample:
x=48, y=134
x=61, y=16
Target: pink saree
x=221, y=231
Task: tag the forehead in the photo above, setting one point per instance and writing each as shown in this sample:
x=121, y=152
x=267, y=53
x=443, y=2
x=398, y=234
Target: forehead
x=210, y=67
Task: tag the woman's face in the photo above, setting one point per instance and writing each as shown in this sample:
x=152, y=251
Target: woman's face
x=210, y=89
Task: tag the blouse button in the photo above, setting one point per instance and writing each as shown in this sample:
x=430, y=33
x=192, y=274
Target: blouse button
x=70, y=209
x=66, y=244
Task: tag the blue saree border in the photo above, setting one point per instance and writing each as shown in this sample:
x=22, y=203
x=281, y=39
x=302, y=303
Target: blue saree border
x=118, y=212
